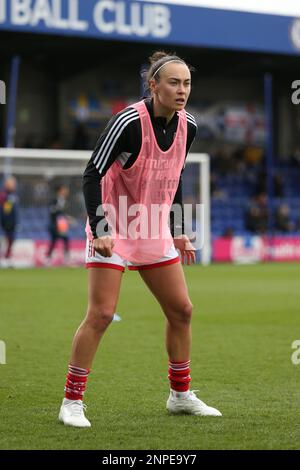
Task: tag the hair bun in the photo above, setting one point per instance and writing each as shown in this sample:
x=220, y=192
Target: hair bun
x=157, y=56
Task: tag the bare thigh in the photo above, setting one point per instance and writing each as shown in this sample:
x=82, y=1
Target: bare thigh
x=103, y=290
x=168, y=285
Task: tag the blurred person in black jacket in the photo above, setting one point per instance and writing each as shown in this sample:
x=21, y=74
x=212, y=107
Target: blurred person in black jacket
x=282, y=219
x=9, y=202
x=59, y=221
x=257, y=215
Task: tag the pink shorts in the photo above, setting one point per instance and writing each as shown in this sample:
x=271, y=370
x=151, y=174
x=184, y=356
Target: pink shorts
x=95, y=260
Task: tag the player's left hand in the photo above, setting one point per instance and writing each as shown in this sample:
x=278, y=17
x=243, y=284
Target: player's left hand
x=187, y=251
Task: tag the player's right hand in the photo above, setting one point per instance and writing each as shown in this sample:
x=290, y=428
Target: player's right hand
x=104, y=246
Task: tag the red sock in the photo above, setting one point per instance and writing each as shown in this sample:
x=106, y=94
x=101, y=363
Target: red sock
x=76, y=383
x=179, y=375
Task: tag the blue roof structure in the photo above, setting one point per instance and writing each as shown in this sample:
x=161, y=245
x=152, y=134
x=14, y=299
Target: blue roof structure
x=235, y=24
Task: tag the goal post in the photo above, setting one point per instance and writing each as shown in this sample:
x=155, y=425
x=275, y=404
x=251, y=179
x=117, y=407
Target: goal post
x=39, y=171
x=203, y=197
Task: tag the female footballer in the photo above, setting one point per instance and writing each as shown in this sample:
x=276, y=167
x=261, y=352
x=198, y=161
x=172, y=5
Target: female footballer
x=136, y=167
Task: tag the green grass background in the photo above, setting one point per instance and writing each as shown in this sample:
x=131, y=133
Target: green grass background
x=245, y=320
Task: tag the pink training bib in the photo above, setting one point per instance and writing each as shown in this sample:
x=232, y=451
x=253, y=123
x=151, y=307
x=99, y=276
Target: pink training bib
x=137, y=201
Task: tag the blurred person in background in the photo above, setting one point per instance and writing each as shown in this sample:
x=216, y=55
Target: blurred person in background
x=9, y=202
x=278, y=185
x=283, y=222
x=257, y=214
x=59, y=222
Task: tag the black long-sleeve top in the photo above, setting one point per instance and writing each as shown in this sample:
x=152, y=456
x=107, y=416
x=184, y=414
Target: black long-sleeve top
x=121, y=140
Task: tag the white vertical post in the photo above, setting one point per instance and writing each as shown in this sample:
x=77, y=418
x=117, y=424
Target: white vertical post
x=205, y=198
x=204, y=185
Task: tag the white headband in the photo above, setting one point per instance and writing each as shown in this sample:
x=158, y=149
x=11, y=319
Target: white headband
x=165, y=63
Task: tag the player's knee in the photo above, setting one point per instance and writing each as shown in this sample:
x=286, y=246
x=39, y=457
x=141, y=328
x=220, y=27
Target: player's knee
x=99, y=317
x=182, y=314
x=186, y=312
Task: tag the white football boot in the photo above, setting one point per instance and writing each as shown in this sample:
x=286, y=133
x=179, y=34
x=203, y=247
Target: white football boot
x=72, y=414
x=189, y=403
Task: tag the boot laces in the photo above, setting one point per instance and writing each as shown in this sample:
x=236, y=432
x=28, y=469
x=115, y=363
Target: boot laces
x=77, y=407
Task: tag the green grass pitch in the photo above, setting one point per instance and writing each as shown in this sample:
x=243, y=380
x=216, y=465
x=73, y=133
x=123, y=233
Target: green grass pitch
x=245, y=320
